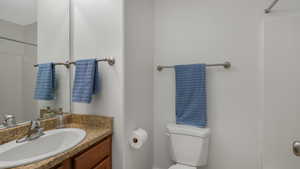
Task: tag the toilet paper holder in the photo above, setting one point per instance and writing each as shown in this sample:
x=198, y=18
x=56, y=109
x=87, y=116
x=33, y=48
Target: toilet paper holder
x=135, y=140
x=138, y=138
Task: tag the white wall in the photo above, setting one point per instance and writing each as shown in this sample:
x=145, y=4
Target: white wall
x=124, y=30
x=98, y=32
x=282, y=90
x=17, y=72
x=19, y=12
x=212, y=32
x=11, y=55
x=29, y=72
x=138, y=79
x=53, y=46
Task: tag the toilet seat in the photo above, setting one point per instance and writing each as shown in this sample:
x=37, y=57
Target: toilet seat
x=179, y=166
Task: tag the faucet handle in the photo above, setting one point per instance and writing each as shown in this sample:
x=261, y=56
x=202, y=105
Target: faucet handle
x=35, y=124
x=9, y=120
x=8, y=116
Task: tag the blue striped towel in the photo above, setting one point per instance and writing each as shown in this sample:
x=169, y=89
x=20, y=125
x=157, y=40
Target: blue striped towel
x=45, y=82
x=191, y=106
x=86, y=81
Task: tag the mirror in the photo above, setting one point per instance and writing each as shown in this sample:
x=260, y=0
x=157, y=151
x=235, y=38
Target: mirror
x=33, y=32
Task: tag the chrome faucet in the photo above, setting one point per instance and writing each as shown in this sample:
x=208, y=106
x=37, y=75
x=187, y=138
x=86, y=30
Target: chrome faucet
x=9, y=121
x=33, y=133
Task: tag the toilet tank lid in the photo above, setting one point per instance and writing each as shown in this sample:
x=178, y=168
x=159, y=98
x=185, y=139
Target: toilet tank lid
x=188, y=130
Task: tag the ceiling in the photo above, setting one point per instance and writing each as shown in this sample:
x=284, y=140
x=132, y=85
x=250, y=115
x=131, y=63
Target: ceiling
x=22, y=12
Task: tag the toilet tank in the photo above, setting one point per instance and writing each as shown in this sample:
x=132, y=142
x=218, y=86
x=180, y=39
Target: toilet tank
x=188, y=144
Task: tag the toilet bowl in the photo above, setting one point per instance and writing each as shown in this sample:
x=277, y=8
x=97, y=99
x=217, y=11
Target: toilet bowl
x=179, y=166
x=188, y=145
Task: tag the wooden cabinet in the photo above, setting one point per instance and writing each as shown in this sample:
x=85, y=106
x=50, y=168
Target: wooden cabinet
x=97, y=156
x=67, y=164
x=104, y=164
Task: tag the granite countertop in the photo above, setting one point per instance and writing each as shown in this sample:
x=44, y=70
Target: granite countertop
x=97, y=128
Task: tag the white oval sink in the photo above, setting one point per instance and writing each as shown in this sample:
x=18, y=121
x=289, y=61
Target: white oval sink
x=56, y=141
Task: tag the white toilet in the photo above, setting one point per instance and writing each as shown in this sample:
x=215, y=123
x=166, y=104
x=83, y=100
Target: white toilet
x=189, y=146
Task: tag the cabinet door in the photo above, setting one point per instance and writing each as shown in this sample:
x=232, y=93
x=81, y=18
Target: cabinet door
x=104, y=164
x=93, y=156
x=65, y=165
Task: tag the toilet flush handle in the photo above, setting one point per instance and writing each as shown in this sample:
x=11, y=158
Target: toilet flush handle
x=167, y=134
x=296, y=148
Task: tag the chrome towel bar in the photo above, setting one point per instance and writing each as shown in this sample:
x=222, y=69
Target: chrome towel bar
x=226, y=65
x=111, y=61
x=65, y=64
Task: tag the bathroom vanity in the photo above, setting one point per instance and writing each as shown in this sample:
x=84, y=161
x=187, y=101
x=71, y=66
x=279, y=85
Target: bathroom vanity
x=97, y=156
x=93, y=152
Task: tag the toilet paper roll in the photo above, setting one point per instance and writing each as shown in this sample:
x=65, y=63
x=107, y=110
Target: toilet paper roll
x=138, y=138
